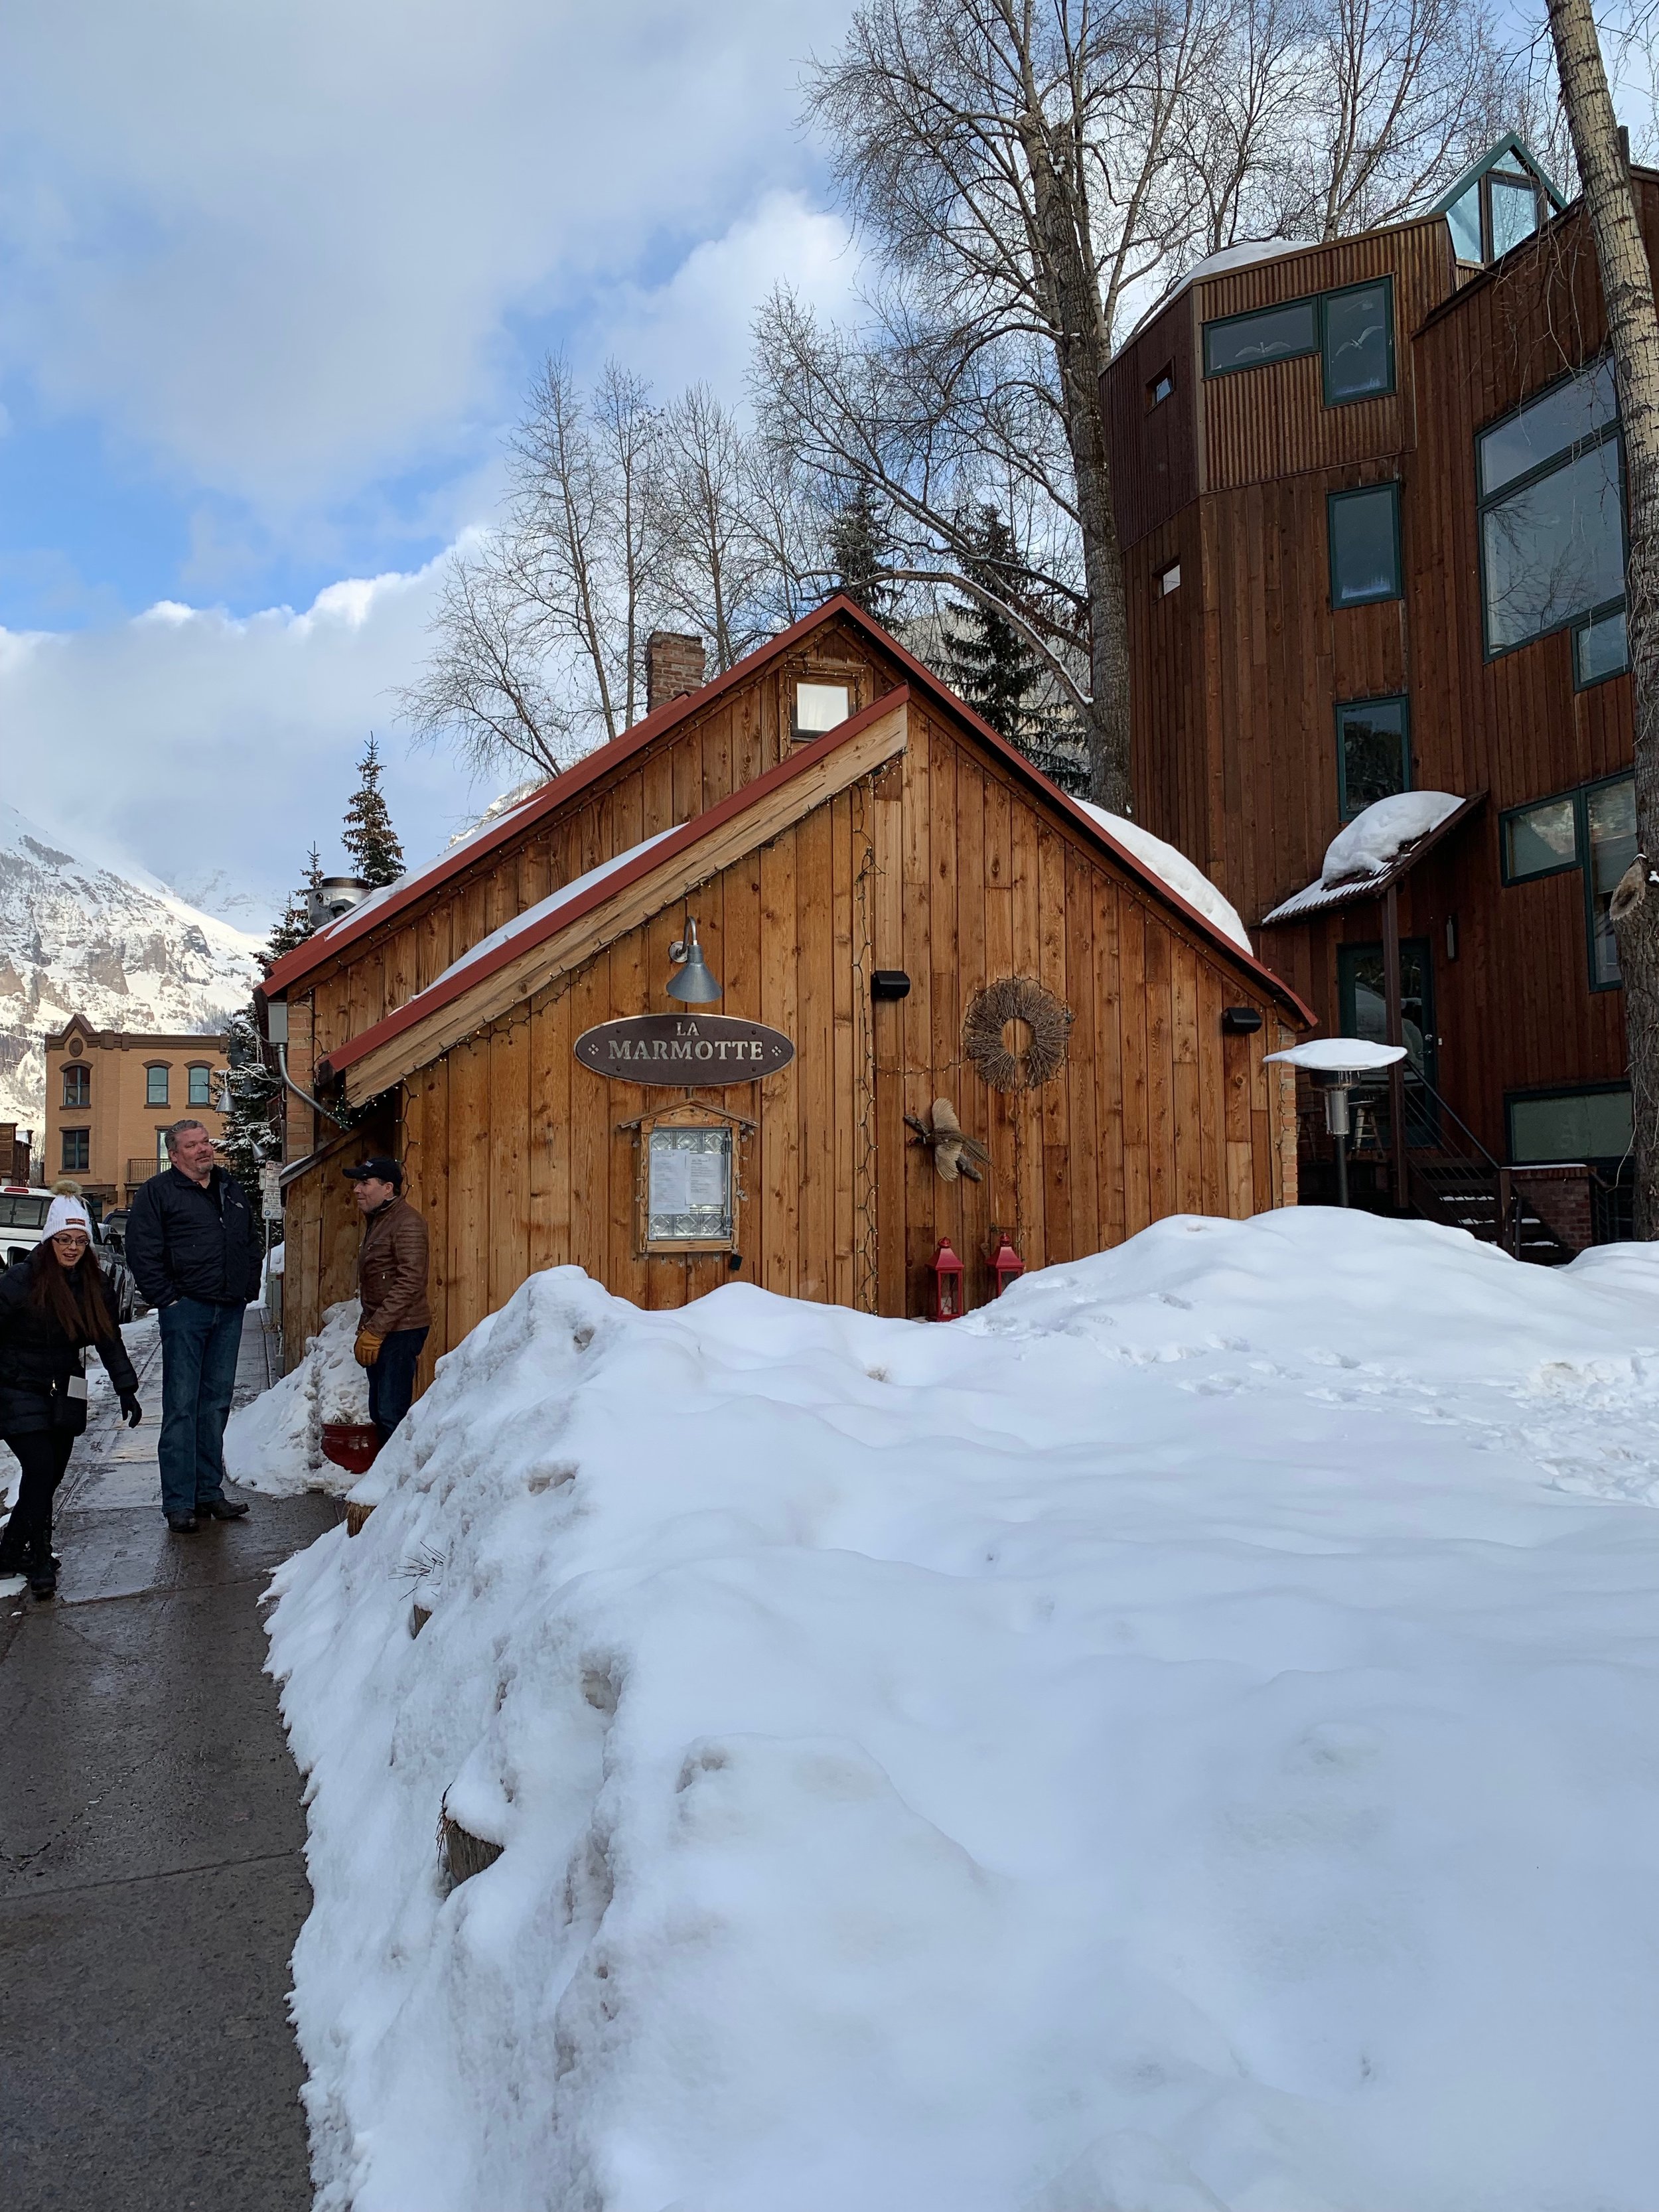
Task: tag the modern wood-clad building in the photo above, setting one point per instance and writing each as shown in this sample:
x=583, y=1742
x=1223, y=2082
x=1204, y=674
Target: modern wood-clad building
x=898, y=910
x=1371, y=497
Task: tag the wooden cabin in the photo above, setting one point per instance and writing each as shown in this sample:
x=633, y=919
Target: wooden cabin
x=898, y=909
x=1369, y=497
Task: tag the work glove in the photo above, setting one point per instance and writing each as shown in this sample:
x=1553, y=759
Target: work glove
x=131, y=1412
x=367, y=1348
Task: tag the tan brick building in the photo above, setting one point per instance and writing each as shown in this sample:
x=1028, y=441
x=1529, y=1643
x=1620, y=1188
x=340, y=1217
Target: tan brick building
x=109, y=1097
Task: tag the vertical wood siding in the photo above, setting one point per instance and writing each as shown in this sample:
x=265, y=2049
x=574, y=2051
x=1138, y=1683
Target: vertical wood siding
x=945, y=865
x=1238, y=675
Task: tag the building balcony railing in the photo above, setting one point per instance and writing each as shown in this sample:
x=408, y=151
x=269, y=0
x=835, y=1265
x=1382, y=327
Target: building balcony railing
x=142, y=1170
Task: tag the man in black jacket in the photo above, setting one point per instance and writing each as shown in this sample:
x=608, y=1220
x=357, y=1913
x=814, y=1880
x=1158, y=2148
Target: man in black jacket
x=192, y=1249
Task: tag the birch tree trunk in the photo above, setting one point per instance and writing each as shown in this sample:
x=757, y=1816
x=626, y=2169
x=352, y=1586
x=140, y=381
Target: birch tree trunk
x=1633, y=331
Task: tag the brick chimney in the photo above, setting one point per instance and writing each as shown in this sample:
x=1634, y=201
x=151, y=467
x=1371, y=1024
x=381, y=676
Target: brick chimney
x=673, y=665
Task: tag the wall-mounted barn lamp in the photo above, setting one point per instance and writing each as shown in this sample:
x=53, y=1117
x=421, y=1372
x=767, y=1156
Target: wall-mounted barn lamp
x=889, y=983
x=1240, y=1021
x=691, y=982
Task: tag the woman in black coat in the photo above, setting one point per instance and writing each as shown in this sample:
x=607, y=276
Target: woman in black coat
x=51, y=1306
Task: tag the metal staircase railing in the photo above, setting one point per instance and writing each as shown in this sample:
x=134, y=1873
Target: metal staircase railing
x=1453, y=1178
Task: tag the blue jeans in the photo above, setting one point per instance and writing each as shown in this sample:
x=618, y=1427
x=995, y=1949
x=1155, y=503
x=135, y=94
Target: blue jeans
x=199, y=1344
x=392, y=1379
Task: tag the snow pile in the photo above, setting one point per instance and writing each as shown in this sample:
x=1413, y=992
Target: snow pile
x=1172, y=867
x=274, y=1443
x=1185, y=1737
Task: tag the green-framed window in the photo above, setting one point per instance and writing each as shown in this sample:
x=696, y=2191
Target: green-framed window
x=1543, y=839
x=1373, y=752
x=1264, y=335
x=1356, y=330
x=1592, y=828
x=1351, y=329
x=1501, y=200
x=1592, y=1123
x=1363, y=528
x=1601, y=646
x=156, y=1083
x=1361, y=999
x=1550, y=479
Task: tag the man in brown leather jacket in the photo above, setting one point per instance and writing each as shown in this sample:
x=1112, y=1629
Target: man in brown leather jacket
x=392, y=1265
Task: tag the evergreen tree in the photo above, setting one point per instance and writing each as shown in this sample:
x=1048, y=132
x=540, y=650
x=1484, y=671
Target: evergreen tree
x=369, y=835
x=859, y=553
x=296, y=924
x=995, y=670
x=254, y=1124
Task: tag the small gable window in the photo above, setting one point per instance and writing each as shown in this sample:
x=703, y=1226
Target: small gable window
x=1162, y=387
x=1169, y=580
x=821, y=707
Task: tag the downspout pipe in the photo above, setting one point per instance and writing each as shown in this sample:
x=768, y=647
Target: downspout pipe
x=276, y=1035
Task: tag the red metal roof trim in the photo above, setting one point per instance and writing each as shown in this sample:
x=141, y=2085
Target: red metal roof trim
x=465, y=975
x=553, y=794
x=312, y=953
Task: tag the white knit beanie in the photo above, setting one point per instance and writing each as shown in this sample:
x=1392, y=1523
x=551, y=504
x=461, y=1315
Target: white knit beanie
x=66, y=1213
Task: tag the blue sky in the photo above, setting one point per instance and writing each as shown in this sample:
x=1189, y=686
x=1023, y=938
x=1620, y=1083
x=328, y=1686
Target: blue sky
x=275, y=280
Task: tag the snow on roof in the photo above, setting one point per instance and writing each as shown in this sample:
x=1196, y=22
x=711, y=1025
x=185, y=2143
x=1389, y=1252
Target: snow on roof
x=1182, y=876
x=491, y=819
x=1368, y=848
x=544, y=911
x=1244, y=255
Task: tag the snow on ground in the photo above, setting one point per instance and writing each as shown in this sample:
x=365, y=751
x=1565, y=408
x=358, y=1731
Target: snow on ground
x=1185, y=1737
x=274, y=1443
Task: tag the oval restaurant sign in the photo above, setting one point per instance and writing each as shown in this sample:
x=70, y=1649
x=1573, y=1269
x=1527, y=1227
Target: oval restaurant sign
x=684, y=1049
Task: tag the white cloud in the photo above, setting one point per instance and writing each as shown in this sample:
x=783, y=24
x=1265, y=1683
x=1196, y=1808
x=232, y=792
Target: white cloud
x=694, y=326
x=283, y=249
x=188, y=742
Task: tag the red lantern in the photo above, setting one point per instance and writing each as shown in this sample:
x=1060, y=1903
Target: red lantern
x=1006, y=1266
x=946, y=1272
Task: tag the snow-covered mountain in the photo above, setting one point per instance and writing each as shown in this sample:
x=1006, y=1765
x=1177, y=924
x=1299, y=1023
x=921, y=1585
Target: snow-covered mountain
x=76, y=940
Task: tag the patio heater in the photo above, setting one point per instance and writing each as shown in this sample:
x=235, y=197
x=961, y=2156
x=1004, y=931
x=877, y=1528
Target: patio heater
x=1339, y=1067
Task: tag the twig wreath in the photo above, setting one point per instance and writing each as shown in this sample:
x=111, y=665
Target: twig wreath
x=984, y=1033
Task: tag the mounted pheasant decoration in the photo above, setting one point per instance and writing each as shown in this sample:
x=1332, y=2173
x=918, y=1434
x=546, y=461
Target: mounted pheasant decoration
x=954, y=1151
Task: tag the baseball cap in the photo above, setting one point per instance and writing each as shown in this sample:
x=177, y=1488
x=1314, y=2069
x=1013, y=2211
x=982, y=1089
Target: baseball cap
x=378, y=1166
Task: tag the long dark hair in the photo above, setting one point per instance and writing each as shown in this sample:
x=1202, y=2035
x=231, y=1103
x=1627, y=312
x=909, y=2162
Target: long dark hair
x=73, y=1296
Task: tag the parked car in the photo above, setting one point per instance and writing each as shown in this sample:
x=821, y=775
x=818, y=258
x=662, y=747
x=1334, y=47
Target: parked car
x=23, y=1220
x=114, y=1226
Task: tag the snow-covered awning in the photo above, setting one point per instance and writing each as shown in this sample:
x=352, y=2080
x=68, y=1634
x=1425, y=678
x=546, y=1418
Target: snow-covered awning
x=1376, y=849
